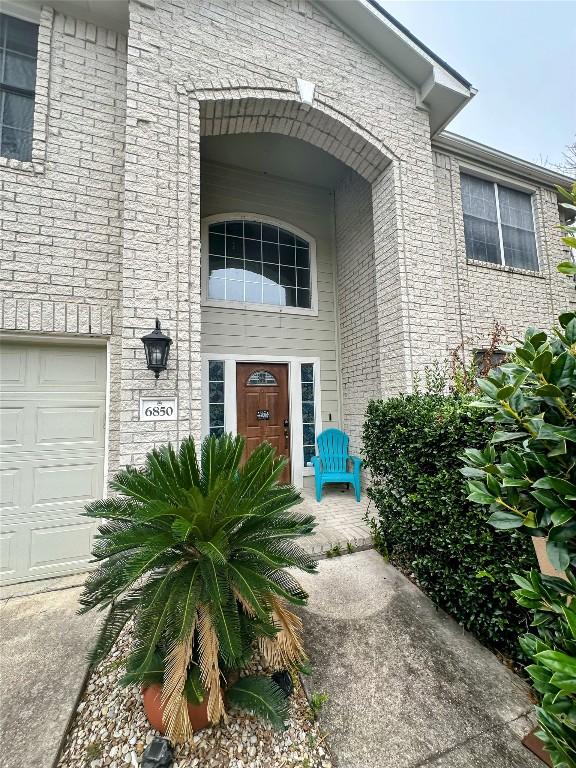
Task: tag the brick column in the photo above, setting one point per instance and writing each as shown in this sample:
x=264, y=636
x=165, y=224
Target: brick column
x=393, y=337
x=161, y=249
x=409, y=278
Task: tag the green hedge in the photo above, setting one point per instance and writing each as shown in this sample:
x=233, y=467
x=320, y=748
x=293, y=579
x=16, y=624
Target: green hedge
x=427, y=527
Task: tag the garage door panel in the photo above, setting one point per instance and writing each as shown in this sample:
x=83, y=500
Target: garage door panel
x=66, y=370
x=52, y=459
x=8, y=559
x=56, y=548
x=65, y=483
x=12, y=366
x=12, y=421
x=69, y=424
x=60, y=545
x=39, y=424
x=11, y=489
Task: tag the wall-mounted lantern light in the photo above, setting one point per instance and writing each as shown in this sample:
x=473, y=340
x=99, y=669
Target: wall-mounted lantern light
x=157, y=346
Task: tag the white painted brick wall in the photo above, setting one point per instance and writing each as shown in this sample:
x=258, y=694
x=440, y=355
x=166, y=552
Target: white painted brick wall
x=357, y=305
x=62, y=218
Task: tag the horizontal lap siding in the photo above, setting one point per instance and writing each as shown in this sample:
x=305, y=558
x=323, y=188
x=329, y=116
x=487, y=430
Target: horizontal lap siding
x=236, y=331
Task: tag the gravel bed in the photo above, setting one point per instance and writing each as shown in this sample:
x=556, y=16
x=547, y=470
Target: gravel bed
x=110, y=730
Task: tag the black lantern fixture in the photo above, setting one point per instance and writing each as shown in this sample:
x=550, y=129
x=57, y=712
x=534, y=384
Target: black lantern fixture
x=157, y=346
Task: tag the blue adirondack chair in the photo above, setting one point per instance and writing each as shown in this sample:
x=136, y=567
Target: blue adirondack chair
x=333, y=463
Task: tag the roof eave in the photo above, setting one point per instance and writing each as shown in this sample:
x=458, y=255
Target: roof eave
x=439, y=89
x=494, y=158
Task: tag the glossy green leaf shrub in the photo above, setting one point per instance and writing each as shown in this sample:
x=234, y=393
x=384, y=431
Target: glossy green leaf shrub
x=526, y=474
x=424, y=522
x=569, y=205
x=553, y=651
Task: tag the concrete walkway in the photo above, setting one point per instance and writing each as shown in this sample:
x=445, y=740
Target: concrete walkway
x=44, y=645
x=407, y=686
x=340, y=520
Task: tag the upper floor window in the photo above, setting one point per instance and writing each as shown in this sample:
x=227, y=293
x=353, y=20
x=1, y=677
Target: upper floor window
x=498, y=224
x=259, y=264
x=18, y=49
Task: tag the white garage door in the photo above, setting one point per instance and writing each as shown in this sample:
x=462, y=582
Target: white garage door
x=52, y=424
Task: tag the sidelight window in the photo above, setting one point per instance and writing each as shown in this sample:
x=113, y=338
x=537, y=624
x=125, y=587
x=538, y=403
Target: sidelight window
x=308, y=411
x=216, y=396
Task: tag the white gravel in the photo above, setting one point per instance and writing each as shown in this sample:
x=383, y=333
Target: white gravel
x=110, y=730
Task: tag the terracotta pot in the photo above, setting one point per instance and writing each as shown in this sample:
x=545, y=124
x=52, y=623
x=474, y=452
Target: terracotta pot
x=546, y=566
x=152, y=700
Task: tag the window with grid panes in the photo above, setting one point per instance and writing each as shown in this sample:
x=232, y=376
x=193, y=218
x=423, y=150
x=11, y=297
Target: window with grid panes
x=18, y=49
x=498, y=224
x=252, y=262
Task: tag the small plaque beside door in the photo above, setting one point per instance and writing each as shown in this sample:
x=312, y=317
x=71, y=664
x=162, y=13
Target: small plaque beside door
x=158, y=408
x=263, y=415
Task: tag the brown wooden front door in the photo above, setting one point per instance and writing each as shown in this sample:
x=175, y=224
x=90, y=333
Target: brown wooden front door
x=262, y=407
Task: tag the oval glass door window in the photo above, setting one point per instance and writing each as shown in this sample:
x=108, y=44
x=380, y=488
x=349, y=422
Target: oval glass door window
x=261, y=379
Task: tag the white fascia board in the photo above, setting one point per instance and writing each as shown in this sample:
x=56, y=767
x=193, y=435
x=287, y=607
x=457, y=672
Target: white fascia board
x=488, y=156
x=437, y=89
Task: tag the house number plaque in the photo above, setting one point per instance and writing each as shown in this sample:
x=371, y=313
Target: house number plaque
x=263, y=415
x=158, y=408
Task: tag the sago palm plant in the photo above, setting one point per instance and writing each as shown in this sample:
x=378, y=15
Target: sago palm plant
x=194, y=552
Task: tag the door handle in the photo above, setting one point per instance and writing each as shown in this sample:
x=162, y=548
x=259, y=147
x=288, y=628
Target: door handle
x=286, y=431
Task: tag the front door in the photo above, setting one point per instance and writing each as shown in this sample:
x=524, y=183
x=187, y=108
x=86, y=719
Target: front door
x=262, y=408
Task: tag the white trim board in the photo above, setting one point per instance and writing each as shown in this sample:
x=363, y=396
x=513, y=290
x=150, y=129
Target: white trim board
x=299, y=471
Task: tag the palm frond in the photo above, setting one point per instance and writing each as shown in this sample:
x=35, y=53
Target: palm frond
x=121, y=571
x=152, y=673
x=120, y=613
x=279, y=554
x=217, y=549
x=266, y=580
x=131, y=510
x=117, y=536
x=175, y=716
x=153, y=617
x=135, y=484
x=261, y=696
x=285, y=649
x=219, y=457
x=189, y=464
x=163, y=470
x=260, y=472
x=224, y=611
x=248, y=591
x=282, y=583
x=208, y=662
x=276, y=526
x=193, y=689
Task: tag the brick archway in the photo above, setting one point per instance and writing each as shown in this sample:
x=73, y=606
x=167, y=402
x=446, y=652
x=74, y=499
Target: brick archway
x=289, y=117
x=162, y=227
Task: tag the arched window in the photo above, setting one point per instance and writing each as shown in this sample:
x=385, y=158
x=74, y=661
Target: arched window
x=261, y=379
x=258, y=263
